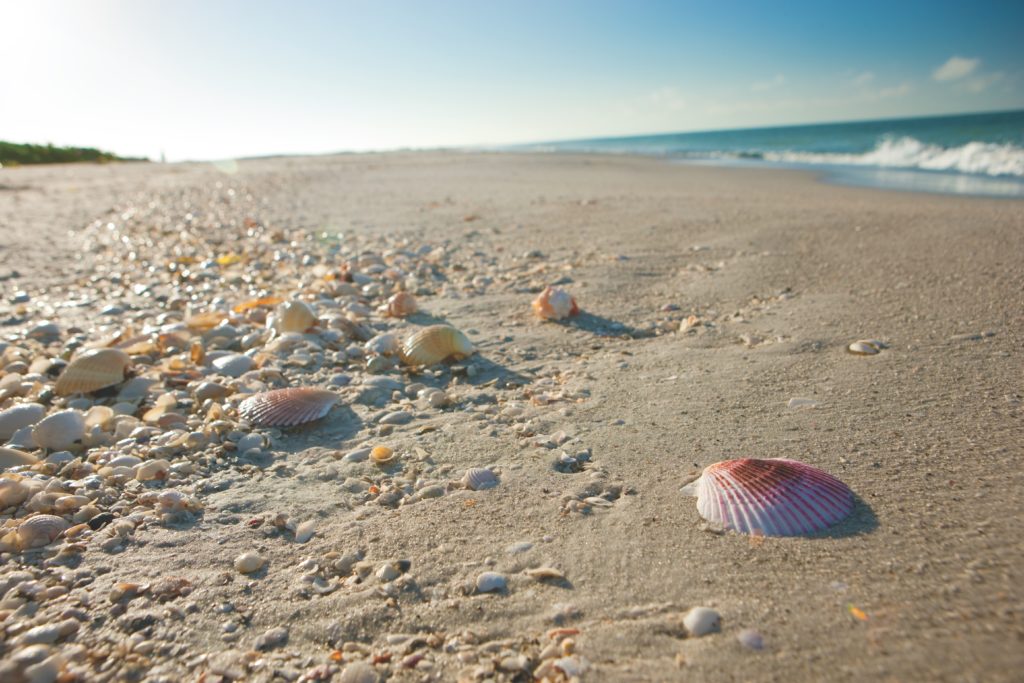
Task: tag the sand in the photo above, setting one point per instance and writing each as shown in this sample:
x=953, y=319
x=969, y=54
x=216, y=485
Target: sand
x=922, y=583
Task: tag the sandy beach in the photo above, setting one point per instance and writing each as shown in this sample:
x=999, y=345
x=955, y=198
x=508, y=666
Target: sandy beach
x=710, y=298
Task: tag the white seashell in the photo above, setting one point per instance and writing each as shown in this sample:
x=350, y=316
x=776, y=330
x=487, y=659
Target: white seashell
x=249, y=562
x=59, y=431
x=866, y=347
x=701, y=621
x=434, y=344
x=287, y=407
x=554, y=303
x=382, y=345
x=358, y=672
x=479, y=478
x=40, y=530
x=19, y=416
x=357, y=455
x=491, y=582
x=770, y=497
x=152, y=469
x=172, y=500
x=93, y=370
x=234, y=364
x=748, y=637
x=10, y=457
x=305, y=531
x=294, y=316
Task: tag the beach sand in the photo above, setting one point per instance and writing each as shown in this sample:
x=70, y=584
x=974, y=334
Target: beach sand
x=781, y=272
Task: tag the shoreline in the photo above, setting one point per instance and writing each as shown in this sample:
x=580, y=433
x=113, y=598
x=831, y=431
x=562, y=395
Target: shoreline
x=780, y=272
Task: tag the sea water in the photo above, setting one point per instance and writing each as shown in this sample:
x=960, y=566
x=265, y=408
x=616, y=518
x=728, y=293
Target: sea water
x=963, y=154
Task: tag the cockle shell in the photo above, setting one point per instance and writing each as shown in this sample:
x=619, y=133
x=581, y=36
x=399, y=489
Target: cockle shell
x=770, y=497
x=865, y=347
x=402, y=304
x=40, y=530
x=479, y=478
x=10, y=457
x=287, y=407
x=93, y=370
x=383, y=456
x=59, y=431
x=434, y=344
x=554, y=303
x=293, y=316
x=18, y=417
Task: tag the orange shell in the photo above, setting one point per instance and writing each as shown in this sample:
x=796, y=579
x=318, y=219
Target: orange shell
x=554, y=303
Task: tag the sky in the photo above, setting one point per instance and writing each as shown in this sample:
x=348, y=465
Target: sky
x=217, y=79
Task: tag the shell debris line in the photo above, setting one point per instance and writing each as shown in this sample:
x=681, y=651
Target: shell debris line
x=135, y=399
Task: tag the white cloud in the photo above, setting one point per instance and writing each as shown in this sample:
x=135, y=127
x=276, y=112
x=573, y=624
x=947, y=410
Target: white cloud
x=864, y=78
x=770, y=84
x=956, y=68
x=982, y=81
x=895, y=91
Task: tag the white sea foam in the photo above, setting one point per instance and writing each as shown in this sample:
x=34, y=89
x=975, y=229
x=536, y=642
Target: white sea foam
x=975, y=157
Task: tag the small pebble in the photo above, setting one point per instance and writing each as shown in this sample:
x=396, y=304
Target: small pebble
x=249, y=562
x=701, y=621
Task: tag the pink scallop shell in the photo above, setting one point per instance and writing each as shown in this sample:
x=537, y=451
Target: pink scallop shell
x=770, y=497
x=287, y=407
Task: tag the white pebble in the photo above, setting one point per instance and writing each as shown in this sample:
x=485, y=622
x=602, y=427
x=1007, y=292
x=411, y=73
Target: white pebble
x=249, y=562
x=701, y=621
x=491, y=582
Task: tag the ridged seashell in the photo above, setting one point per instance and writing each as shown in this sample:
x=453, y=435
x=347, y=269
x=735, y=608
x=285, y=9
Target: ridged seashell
x=10, y=457
x=434, y=344
x=19, y=416
x=59, y=431
x=93, y=370
x=479, y=478
x=287, y=407
x=402, y=304
x=554, y=303
x=770, y=497
x=293, y=316
x=865, y=347
x=382, y=345
x=40, y=530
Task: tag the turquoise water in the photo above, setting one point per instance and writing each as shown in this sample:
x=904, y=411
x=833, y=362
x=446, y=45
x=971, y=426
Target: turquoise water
x=964, y=154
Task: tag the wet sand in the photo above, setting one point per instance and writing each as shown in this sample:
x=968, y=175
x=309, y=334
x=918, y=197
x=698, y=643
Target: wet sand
x=922, y=582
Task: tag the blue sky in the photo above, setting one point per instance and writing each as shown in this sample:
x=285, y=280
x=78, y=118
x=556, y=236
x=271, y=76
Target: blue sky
x=217, y=79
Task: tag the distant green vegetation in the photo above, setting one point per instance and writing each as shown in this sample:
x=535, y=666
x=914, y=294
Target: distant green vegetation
x=12, y=154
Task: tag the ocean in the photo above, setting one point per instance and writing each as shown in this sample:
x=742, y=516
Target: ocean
x=975, y=154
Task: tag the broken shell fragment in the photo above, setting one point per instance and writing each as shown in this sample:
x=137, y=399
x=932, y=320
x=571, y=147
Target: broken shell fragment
x=865, y=347
x=293, y=316
x=287, y=407
x=401, y=305
x=434, y=344
x=59, y=431
x=770, y=497
x=554, y=303
x=249, y=562
x=93, y=370
x=10, y=457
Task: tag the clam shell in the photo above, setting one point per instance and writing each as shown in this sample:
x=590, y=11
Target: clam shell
x=402, y=304
x=382, y=455
x=287, y=407
x=93, y=370
x=294, y=316
x=770, y=497
x=59, y=431
x=18, y=417
x=434, y=344
x=865, y=347
x=40, y=530
x=554, y=303
x=479, y=478
x=10, y=457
